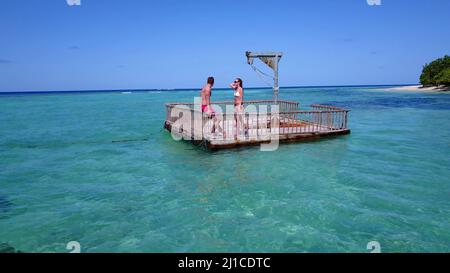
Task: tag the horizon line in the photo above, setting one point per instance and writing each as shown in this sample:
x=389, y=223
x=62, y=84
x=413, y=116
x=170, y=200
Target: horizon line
x=186, y=89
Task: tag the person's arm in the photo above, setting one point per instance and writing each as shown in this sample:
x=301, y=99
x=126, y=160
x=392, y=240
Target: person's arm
x=202, y=95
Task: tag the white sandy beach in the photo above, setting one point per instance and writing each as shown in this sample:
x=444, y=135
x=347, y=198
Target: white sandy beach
x=417, y=88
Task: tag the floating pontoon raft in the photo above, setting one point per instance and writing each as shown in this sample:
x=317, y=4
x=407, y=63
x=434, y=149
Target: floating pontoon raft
x=261, y=122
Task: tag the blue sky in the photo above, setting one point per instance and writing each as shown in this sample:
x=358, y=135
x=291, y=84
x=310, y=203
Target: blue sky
x=132, y=44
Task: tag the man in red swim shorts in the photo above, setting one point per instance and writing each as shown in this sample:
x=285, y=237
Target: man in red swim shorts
x=206, y=96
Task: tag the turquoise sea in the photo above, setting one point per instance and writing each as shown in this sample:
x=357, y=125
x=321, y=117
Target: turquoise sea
x=98, y=168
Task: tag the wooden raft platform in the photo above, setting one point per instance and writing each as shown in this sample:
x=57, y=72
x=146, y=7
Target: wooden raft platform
x=261, y=122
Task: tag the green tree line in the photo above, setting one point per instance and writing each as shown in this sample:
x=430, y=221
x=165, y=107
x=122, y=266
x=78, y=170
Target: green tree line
x=436, y=73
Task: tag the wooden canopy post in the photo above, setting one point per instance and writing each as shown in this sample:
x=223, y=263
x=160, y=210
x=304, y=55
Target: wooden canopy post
x=271, y=59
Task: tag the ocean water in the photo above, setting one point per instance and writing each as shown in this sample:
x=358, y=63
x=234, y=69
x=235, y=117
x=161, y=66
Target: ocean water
x=98, y=168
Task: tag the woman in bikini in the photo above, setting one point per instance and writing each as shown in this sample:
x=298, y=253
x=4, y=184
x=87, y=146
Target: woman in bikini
x=238, y=103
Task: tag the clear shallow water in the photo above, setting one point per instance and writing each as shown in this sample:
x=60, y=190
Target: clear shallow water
x=99, y=169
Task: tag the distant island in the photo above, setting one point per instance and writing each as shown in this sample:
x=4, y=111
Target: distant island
x=436, y=73
x=435, y=77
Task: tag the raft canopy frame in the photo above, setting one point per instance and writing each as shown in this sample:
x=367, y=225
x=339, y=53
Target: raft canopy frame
x=271, y=59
